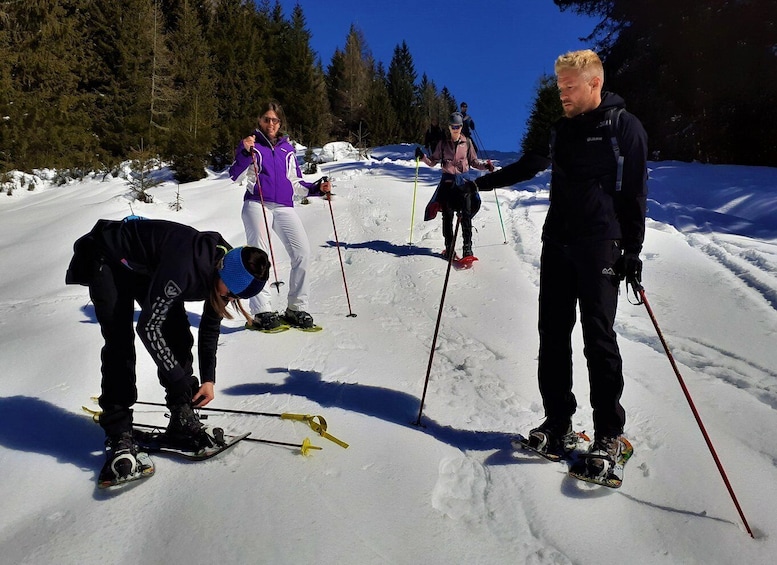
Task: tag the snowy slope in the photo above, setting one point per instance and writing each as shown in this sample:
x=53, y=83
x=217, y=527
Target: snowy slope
x=451, y=490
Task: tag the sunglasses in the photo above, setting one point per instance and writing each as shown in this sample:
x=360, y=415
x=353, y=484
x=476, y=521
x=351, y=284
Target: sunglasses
x=455, y=127
x=269, y=120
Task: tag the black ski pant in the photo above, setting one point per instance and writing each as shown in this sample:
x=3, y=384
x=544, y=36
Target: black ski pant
x=447, y=228
x=451, y=201
x=581, y=274
x=114, y=289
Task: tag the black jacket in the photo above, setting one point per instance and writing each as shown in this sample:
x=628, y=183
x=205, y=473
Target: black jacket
x=584, y=205
x=181, y=265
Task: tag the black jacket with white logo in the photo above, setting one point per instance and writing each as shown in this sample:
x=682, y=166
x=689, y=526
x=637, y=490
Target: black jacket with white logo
x=584, y=202
x=181, y=265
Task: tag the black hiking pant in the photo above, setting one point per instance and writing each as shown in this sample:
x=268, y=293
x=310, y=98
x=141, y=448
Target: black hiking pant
x=114, y=289
x=571, y=275
x=451, y=201
x=447, y=228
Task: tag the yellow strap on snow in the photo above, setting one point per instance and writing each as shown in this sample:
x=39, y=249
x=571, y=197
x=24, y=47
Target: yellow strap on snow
x=317, y=424
x=95, y=414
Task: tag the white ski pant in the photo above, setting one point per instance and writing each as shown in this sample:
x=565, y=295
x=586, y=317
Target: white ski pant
x=285, y=222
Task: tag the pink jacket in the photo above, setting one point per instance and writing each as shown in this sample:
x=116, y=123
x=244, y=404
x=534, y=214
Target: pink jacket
x=455, y=158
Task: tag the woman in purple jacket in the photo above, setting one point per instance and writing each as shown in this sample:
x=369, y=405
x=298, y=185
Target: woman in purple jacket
x=268, y=152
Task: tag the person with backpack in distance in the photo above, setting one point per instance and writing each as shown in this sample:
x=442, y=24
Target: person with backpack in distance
x=433, y=135
x=160, y=265
x=467, y=123
x=269, y=161
x=591, y=240
x=456, y=155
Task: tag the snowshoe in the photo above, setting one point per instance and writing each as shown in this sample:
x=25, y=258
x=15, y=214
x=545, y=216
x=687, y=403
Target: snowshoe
x=210, y=443
x=124, y=462
x=567, y=447
x=267, y=322
x=300, y=320
x=464, y=263
x=604, y=463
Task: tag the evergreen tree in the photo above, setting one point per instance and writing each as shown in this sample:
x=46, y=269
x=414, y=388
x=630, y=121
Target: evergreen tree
x=546, y=110
x=48, y=114
x=335, y=84
x=164, y=96
x=241, y=73
x=348, y=83
x=431, y=104
x=448, y=103
x=195, y=112
x=380, y=115
x=133, y=89
x=298, y=82
x=402, y=92
x=84, y=81
x=699, y=74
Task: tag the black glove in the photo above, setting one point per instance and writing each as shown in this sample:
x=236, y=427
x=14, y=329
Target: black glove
x=629, y=267
x=419, y=154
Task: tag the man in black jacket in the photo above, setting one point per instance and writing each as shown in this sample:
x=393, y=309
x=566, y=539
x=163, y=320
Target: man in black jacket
x=592, y=238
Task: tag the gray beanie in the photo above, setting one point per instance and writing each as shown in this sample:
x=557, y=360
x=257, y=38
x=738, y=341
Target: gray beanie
x=456, y=119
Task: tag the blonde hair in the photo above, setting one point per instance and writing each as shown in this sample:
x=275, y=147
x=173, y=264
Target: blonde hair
x=585, y=61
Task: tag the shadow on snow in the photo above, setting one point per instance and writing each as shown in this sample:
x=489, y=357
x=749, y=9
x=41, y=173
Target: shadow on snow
x=388, y=405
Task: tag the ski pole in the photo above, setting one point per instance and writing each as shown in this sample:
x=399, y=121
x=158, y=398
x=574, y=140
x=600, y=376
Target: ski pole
x=277, y=284
x=316, y=423
x=501, y=222
x=496, y=198
x=342, y=267
x=415, y=190
x=639, y=292
x=439, y=316
x=304, y=447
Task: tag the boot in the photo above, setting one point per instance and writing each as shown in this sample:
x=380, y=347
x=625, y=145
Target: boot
x=185, y=428
x=602, y=456
x=121, y=462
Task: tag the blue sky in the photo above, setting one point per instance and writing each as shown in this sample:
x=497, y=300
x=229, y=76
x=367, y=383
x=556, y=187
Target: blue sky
x=489, y=54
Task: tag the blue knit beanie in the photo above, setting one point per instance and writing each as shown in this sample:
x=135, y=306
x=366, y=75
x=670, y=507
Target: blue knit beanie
x=239, y=281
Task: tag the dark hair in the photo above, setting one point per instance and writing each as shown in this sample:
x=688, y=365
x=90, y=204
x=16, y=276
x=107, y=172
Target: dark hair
x=256, y=262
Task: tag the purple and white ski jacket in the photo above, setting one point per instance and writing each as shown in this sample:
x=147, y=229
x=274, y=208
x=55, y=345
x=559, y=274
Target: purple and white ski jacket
x=279, y=173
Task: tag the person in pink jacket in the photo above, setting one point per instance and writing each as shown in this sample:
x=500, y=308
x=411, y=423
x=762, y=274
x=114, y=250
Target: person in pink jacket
x=456, y=154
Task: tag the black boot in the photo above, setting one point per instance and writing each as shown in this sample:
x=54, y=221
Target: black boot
x=185, y=428
x=122, y=463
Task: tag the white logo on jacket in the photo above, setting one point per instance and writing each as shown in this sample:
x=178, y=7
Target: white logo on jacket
x=172, y=289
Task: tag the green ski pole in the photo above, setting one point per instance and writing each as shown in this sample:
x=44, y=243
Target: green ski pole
x=415, y=190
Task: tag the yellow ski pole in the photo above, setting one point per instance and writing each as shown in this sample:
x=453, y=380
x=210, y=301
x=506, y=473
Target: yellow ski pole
x=415, y=190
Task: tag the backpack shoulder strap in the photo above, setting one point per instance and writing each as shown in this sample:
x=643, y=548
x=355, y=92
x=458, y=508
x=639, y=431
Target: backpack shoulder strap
x=552, y=144
x=613, y=118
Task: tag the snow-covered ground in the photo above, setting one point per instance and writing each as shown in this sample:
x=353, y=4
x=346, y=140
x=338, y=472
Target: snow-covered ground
x=451, y=490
